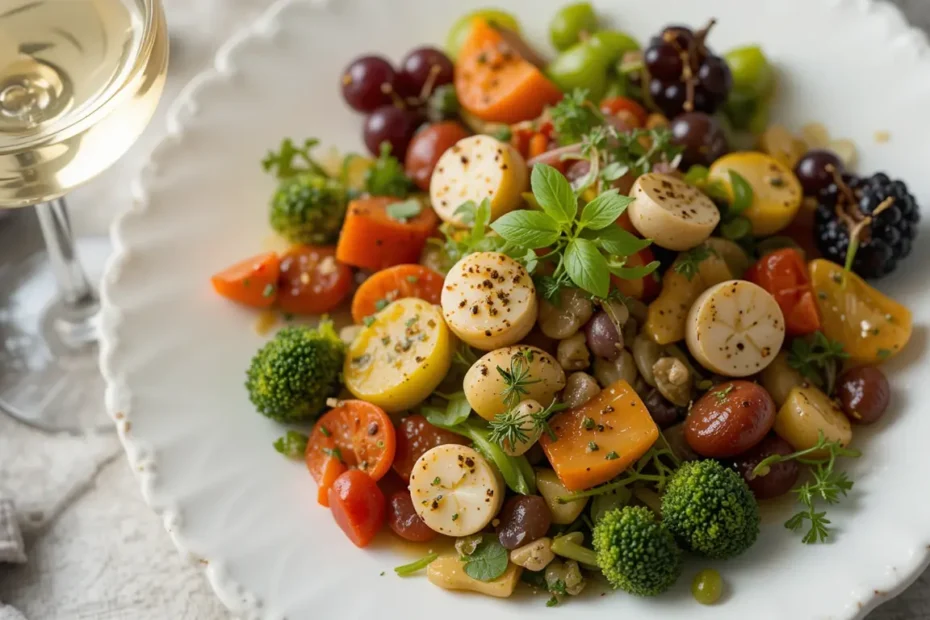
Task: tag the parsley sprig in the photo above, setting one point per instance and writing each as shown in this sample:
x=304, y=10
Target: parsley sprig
x=585, y=248
x=827, y=485
x=689, y=263
x=817, y=359
x=386, y=176
x=290, y=160
x=574, y=117
x=613, y=154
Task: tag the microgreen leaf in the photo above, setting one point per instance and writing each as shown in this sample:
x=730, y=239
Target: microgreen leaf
x=292, y=445
x=528, y=229
x=403, y=211
x=574, y=116
x=457, y=411
x=554, y=193
x=386, y=176
x=587, y=267
x=416, y=565
x=604, y=210
x=488, y=561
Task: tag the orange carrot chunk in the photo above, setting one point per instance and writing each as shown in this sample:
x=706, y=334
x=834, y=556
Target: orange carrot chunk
x=600, y=439
x=394, y=283
x=373, y=239
x=495, y=84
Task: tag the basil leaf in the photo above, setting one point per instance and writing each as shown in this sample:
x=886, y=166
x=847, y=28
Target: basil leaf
x=614, y=240
x=742, y=194
x=634, y=273
x=466, y=211
x=481, y=221
x=403, y=211
x=587, y=267
x=527, y=229
x=737, y=228
x=456, y=412
x=488, y=561
x=696, y=175
x=554, y=193
x=604, y=210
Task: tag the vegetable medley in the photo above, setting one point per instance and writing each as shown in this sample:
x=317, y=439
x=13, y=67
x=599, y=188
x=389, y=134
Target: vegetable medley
x=601, y=309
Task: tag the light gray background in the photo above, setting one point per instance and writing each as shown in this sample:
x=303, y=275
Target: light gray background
x=96, y=551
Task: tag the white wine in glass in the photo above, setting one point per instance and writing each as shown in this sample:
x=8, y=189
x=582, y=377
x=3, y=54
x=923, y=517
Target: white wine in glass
x=79, y=82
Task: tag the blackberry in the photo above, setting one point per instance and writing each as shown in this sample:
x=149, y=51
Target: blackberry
x=884, y=241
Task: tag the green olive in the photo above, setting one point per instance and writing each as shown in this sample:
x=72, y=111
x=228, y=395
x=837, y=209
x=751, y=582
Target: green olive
x=460, y=30
x=580, y=66
x=707, y=587
x=752, y=73
x=613, y=44
x=570, y=22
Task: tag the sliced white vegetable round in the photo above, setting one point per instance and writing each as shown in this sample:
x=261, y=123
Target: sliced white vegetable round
x=478, y=168
x=735, y=328
x=672, y=213
x=489, y=300
x=455, y=490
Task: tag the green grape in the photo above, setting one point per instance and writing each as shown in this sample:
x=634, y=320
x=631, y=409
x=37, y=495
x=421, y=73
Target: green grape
x=752, y=74
x=570, y=22
x=580, y=66
x=614, y=44
x=460, y=30
x=707, y=587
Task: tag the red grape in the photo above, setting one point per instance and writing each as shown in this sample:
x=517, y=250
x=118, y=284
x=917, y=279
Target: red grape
x=393, y=125
x=715, y=77
x=416, y=67
x=663, y=62
x=367, y=83
x=812, y=172
x=701, y=136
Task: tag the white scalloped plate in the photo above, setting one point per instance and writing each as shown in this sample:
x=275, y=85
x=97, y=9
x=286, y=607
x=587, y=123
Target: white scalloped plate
x=174, y=353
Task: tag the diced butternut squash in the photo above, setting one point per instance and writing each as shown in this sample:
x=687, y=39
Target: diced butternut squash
x=494, y=83
x=600, y=439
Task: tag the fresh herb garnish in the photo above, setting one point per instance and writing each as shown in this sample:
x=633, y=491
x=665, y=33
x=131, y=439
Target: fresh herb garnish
x=651, y=468
x=517, y=378
x=575, y=243
x=817, y=360
x=282, y=163
x=722, y=394
x=335, y=453
x=574, y=117
x=268, y=290
x=386, y=176
x=403, y=211
x=512, y=427
x=293, y=445
x=416, y=566
x=456, y=411
x=827, y=485
x=689, y=263
x=488, y=561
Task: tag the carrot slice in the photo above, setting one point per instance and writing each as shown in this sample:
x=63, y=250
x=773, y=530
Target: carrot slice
x=495, y=84
x=588, y=453
x=372, y=239
x=252, y=282
x=393, y=283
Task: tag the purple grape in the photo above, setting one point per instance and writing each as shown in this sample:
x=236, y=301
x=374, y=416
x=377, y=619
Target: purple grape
x=416, y=67
x=393, y=125
x=367, y=83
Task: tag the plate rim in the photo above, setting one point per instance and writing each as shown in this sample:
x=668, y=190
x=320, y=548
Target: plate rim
x=235, y=596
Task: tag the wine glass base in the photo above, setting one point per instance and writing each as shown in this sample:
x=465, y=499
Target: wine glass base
x=49, y=376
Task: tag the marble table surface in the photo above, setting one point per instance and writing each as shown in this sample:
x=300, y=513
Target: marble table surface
x=95, y=550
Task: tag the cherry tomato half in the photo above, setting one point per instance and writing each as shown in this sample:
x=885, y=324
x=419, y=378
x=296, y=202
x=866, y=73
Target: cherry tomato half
x=783, y=273
x=625, y=108
x=355, y=435
x=252, y=282
x=358, y=506
x=312, y=281
x=414, y=437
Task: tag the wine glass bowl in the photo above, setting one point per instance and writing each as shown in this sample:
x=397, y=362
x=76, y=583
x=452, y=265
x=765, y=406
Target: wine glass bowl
x=79, y=82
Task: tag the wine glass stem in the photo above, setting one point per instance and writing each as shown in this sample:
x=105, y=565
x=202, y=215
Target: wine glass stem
x=74, y=318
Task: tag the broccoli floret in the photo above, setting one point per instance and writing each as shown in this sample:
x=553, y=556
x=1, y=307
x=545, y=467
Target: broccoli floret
x=710, y=510
x=635, y=552
x=309, y=205
x=291, y=377
x=309, y=209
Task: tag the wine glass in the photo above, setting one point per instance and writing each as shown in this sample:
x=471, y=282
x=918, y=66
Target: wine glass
x=79, y=81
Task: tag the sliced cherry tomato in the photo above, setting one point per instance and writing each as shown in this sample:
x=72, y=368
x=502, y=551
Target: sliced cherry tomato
x=252, y=282
x=358, y=506
x=312, y=281
x=393, y=283
x=619, y=105
x=414, y=437
x=331, y=468
x=404, y=520
x=357, y=435
x=783, y=273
